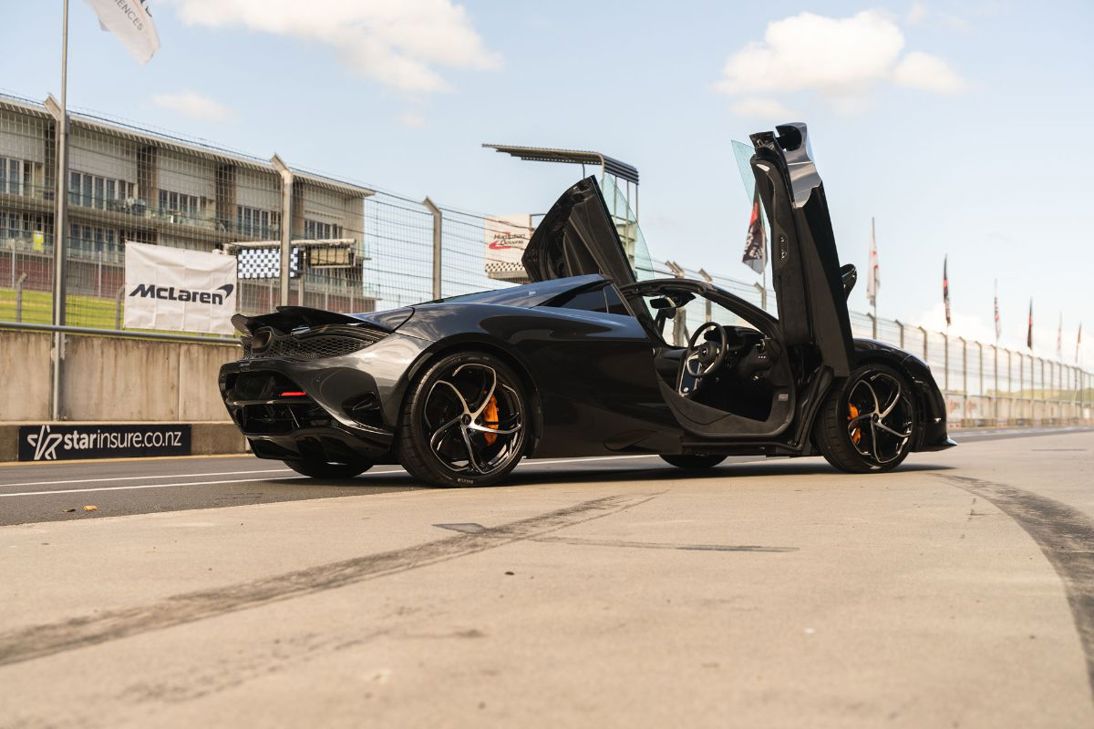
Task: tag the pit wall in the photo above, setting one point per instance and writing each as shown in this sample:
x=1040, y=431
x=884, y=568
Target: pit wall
x=112, y=379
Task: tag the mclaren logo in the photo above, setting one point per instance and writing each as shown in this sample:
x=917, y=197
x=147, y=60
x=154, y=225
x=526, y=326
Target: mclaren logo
x=169, y=293
x=44, y=444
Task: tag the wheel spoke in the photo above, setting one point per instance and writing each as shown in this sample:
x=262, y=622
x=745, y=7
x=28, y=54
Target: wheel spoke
x=459, y=396
x=873, y=394
x=435, y=439
x=889, y=430
x=471, y=460
x=493, y=431
x=475, y=412
x=889, y=408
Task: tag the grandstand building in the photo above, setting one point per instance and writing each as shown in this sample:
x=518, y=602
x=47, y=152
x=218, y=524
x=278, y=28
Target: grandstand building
x=130, y=184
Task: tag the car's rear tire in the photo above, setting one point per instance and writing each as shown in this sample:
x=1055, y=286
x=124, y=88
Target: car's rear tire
x=868, y=423
x=692, y=462
x=465, y=421
x=324, y=469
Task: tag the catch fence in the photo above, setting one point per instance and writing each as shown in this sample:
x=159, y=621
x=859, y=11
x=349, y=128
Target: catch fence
x=129, y=184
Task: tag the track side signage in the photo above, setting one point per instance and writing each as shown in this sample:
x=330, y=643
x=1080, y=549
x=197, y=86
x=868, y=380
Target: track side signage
x=69, y=442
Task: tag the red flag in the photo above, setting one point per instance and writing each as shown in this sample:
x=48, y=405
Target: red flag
x=873, y=283
x=946, y=287
x=1060, y=338
x=1029, y=330
x=755, y=256
x=998, y=331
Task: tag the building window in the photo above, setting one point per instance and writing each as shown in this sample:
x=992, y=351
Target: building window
x=91, y=239
x=179, y=203
x=92, y=191
x=11, y=177
x=317, y=230
x=256, y=223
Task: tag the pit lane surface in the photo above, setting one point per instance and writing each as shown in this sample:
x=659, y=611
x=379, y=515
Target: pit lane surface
x=54, y=491
x=957, y=591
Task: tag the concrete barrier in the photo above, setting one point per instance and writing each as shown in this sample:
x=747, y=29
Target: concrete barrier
x=119, y=380
x=112, y=379
x=24, y=376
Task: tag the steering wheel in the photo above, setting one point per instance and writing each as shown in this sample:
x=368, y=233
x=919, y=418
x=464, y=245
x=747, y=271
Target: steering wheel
x=701, y=360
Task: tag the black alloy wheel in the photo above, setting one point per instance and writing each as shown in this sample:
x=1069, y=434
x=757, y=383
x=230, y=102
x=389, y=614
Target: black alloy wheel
x=692, y=462
x=869, y=422
x=325, y=469
x=464, y=422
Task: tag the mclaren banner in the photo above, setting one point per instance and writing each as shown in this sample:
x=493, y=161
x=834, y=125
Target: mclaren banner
x=180, y=290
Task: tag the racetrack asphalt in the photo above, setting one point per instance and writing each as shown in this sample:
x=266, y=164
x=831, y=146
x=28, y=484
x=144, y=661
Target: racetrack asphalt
x=957, y=591
x=54, y=491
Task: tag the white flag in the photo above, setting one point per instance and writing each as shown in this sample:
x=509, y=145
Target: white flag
x=874, y=281
x=131, y=22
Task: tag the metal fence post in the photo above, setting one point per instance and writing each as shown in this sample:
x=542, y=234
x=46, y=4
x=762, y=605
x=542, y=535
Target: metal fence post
x=118, y=299
x=946, y=361
x=438, y=238
x=763, y=295
x=923, y=331
x=873, y=325
x=900, y=328
x=19, y=295
x=995, y=380
x=286, y=224
x=964, y=378
x=59, y=112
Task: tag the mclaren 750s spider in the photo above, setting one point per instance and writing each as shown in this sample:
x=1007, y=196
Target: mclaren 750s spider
x=579, y=362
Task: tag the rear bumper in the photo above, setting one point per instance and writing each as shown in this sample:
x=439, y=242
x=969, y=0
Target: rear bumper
x=328, y=409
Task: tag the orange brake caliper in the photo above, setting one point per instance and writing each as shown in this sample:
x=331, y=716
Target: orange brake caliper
x=856, y=433
x=490, y=419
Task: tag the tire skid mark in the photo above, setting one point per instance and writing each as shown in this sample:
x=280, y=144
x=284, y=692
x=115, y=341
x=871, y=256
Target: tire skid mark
x=38, y=641
x=1065, y=536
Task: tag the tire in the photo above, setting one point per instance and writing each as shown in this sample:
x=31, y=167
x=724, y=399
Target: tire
x=322, y=469
x=868, y=423
x=465, y=422
x=692, y=463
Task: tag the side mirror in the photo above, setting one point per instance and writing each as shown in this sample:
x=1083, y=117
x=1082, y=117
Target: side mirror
x=849, y=274
x=661, y=303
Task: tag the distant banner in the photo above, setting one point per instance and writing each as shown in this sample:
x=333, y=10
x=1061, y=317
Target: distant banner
x=180, y=290
x=506, y=237
x=69, y=442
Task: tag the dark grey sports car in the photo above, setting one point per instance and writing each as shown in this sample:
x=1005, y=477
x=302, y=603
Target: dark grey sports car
x=576, y=363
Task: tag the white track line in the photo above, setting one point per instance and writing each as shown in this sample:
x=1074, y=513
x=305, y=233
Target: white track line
x=140, y=487
x=138, y=478
x=135, y=488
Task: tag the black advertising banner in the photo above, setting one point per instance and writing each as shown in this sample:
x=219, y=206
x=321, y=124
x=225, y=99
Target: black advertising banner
x=69, y=442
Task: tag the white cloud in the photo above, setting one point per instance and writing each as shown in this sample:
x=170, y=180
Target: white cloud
x=759, y=107
x=193, y=105
x=412, y=120
x=927, y=73
x=842, y=59
x=399, y=43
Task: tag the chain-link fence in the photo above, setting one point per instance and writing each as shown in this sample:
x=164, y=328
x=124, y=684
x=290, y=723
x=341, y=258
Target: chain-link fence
x=129, y=184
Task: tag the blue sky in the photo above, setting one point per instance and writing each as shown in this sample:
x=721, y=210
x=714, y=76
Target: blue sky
x=960, y=126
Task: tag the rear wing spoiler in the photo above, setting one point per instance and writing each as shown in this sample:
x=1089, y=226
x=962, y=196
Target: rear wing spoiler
x=287, y=318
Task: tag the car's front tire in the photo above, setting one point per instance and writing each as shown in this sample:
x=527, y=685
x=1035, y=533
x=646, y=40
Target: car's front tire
x=465, y=422
x=692, y=462
x=868, y=423
x=324, y=469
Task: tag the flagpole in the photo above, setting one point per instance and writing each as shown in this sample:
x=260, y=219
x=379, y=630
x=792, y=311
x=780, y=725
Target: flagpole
x=873, y=242
x=59, y=216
